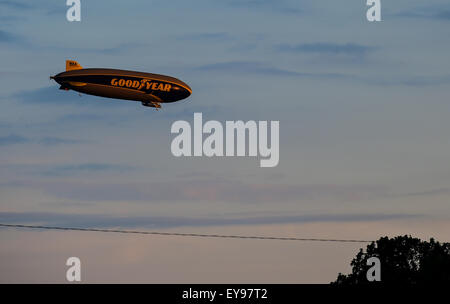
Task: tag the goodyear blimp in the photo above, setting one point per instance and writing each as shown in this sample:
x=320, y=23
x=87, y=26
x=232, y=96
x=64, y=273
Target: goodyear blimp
x=150, y=89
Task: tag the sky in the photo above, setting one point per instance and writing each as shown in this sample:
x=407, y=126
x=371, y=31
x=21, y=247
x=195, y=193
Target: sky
x=364, y=144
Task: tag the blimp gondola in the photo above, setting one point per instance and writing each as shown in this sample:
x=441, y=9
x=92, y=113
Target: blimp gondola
x=150, y=89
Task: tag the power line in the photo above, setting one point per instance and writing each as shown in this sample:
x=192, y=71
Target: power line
x=185, y=234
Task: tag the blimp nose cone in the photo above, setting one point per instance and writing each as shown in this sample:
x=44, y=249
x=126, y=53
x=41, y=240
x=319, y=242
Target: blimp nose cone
x=181, y=92
x=187, y=93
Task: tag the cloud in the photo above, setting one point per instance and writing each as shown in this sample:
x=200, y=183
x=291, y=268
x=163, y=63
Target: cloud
x=79, y=117
x=426, y=80
x=218, y=190
x=117, y=49
x=53, y=141
x=47, y=95
x=47, y=6
x=258, y=68
x=64, y=170
x=9, y=20
x=326, y=53
x=4, y=125
x=186, y=113
x=154, y=222
x=439, y=191
x=206, y=37
x=52, y=95
x=9, y=38
x=12, y=139
x=245, y=67
x=432, y=13
x=443, y=15
x=15, y=5
x=279, y=6
x=412, y=81
x=48, y=170
x=122, y=48
x=349, y=49
x=251, y=67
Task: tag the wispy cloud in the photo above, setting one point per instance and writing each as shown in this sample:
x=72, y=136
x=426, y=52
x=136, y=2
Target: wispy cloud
x=153, y=222
x=206, y=37
x=79, y=117
x=258, y=68
x=15, y=4
x=12, y=139
x=444, y=15
x=64, y=170
x=429, y=12
x=4, y=125
x=9, y=38
x=52, y=95
x=412, y=81
x=279, y=6
x=48, y=7
x=432, y=192
x=54, y=141
x=252, y=67
x=122, y=48
x=6, y=37
x=204, y=190
x=349, y=49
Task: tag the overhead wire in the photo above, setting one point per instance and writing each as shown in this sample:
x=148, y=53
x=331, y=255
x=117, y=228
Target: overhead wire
x=200, y=235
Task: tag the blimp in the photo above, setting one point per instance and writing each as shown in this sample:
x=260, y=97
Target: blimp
x=150, y=89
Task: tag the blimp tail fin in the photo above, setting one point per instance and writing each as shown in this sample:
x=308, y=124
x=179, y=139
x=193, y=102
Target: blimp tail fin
x=72, y=65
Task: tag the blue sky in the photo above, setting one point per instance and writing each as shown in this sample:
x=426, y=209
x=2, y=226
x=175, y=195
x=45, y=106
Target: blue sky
x=363, y=110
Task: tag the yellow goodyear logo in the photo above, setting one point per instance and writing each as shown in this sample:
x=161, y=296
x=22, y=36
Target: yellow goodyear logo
x=136, y=84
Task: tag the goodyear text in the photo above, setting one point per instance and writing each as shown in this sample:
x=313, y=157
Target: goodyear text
x=143, y=83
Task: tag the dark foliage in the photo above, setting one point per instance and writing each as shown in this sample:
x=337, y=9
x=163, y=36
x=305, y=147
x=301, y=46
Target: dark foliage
x=404, y=260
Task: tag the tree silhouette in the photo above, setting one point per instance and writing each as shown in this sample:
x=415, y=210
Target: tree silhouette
x=404, y=260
